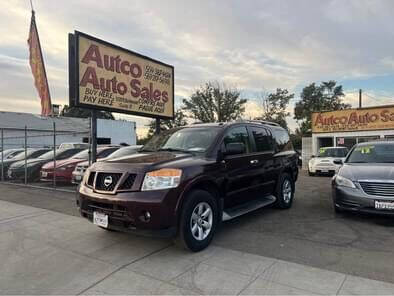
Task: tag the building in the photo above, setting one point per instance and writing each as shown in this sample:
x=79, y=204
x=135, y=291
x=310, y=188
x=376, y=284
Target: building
x=351, y=126
x=40, y=130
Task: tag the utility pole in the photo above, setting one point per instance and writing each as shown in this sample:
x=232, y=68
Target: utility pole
x=94, y=135
x=360, y=92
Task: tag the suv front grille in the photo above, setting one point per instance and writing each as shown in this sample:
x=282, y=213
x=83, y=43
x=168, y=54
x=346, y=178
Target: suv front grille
x=91, y=178
x=128, y=183
x=378, y=188
x=107, y=181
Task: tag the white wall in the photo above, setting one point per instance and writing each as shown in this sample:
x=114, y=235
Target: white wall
x=120, y=131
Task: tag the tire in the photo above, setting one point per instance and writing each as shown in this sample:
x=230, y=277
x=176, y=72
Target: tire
x=284, y=197
x=196, y=204
x=311, y=174
x=337, y=209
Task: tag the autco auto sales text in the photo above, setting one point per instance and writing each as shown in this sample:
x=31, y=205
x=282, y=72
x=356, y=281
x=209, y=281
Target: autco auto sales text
x=106, y=91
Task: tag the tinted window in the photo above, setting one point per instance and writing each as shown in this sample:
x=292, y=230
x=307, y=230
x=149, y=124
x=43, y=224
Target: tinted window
x=238, y=135
x=282, y=140
x=107, y=152
x=381, y=153
x=68, y=153
x=332, y=152
x=262, y=139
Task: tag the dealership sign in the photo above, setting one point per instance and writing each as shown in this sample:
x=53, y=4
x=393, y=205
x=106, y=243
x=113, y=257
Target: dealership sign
x=107, y=77
x=376, y=118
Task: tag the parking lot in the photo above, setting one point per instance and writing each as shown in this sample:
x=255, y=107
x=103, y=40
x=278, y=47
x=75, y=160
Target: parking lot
x=248, y=254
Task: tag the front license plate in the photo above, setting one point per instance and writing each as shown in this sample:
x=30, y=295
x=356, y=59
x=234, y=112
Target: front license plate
x=324, y=171
x=78, y=177
x=384, y=205
x=44, y=174
x=100, y=219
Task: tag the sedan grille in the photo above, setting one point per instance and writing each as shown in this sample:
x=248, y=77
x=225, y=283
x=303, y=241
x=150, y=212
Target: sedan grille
x=378, y=188
x=107, y=181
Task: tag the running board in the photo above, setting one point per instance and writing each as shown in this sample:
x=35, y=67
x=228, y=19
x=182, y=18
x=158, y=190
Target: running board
x=250, y=206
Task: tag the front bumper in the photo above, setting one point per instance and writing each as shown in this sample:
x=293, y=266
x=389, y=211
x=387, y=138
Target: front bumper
x=126, y=210
x=354, y=199
x=60, y=176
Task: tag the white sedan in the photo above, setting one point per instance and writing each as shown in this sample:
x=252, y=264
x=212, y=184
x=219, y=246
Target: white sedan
x=324, y=162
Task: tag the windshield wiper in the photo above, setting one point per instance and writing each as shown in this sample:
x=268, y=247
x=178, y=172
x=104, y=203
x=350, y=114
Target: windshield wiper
x=174, y=150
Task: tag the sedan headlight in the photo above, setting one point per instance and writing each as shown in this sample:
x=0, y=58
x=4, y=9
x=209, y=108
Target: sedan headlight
x=161, y=179
x=342, y=181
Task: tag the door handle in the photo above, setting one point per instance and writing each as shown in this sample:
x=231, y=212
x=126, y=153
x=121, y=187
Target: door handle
x=254, y=161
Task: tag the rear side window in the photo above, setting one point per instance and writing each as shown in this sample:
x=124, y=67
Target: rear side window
x=238, y=135
x=282, y=140
x=262, y=139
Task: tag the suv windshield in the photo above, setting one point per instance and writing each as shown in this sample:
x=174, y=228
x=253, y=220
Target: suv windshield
x=186, y=139
x=84, y=154
x=332, y=152
x=378, y=153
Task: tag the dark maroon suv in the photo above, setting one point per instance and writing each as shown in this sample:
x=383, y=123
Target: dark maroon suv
x=186, y=181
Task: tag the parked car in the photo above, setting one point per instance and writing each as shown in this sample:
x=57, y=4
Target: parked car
x=81, y=167
x=187, y=180
x=30, y=153
x=65, y=167
x=10, y=153
x=324, y=162
x=74, y=145
x=17, y=169
x=365, y=182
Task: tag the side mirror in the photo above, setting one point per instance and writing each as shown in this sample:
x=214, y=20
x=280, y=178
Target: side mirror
x=338, y=161
x=313, y=156
x=235, y=148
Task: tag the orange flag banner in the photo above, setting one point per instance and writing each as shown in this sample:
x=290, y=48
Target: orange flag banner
x=38, y=68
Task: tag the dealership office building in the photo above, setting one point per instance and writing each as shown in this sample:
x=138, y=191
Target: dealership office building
x=348, y=127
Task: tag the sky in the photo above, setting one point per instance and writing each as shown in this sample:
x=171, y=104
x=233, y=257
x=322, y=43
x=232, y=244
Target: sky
x=255, y=46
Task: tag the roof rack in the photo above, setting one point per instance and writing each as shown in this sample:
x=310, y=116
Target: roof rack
x=260, y=121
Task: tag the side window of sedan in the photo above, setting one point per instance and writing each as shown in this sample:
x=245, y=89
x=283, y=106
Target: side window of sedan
x=238, y=135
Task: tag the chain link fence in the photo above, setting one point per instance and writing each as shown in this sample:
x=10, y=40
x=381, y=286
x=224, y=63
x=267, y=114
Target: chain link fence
x=44, y=158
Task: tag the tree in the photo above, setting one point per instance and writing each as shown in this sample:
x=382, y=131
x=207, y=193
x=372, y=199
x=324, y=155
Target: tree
x=275, y=105
x=314, y=98
x=179, y=120
x=215, y=103
x=68, y=111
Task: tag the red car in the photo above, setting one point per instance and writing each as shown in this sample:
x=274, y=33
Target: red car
x=64, y=168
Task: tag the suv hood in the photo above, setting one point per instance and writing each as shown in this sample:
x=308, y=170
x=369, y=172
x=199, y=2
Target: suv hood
x=142, y=160
x=367, y=171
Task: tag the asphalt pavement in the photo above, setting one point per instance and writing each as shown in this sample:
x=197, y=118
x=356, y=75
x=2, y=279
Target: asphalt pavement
x=310, y=233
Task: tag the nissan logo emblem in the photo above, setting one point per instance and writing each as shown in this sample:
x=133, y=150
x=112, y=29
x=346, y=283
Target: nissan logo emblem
x=107, y=181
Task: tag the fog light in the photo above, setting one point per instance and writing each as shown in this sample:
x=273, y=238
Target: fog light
x=145, y=217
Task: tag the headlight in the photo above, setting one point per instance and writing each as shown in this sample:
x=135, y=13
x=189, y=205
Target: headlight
x=342, y=181
x=161, y=179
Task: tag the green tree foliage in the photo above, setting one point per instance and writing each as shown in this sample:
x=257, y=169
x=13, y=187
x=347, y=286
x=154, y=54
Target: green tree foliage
x=68, y=111
x=215, y=103
x=324, y=97
x=179, y=120
x=275, y=105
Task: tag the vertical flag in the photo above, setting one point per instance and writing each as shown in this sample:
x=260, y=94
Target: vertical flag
x=38, y=68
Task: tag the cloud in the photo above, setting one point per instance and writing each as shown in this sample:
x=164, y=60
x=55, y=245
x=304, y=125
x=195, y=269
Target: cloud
x=252, y=45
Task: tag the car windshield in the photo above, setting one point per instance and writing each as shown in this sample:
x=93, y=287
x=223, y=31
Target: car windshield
x=82, y=155
x=123, y=152
x=332, y=152
x=21, y=155
x=374, y=153
x=186, y=140
x=49, y=154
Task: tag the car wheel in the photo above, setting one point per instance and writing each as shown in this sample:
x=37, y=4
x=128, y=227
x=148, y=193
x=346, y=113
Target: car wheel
x=198, y=220
x=337, y=209
x=310, y=173
x=284, y=192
